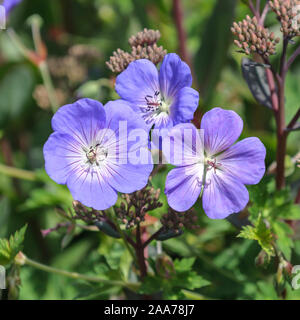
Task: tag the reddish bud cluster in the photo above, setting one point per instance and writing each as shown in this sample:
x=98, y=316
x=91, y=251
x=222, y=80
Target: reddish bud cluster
x=254, y=38
x=286, y=11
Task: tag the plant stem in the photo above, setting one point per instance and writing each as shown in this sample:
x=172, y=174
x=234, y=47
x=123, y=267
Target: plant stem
x=17, y=173
x=294, y=120
x=281, y=138
x=75, y=275
x=43, y=67
x=182, y=39
x=292, y=58
x=280, y=120
x=264, y=14
x=254, y=11
x=154, y=235
x=140, y=253
x=123, y=235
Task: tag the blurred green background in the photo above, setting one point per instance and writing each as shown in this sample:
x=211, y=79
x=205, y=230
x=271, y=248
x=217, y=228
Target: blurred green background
x=80, y=35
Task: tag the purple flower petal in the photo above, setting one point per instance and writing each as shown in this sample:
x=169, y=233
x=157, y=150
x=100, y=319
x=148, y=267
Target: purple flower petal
x=184, y=105
x=221, y=129
x=127, y=177
x=139, y=80
x=245, y=160
x=82, y=119
x=92, y=189
x=183, y=145
x=174, y=74
x=62, y=154
x=9, y=5
x=86, y=153
x=120, y=111
x=183, y=186
x=223, y=195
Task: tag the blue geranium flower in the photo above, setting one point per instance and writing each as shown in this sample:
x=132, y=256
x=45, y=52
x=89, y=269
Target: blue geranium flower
x=163, y=98
x=86, y=152
x=10, y=4
x=219, y=169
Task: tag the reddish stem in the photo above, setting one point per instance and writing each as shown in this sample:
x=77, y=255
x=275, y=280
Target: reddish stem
x=293, y=121
x=182, y=39
x=139, y=249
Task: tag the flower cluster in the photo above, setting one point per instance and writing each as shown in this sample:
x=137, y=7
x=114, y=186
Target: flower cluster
x=164, y=98
x=98, y=151
x=254, y=38
x=143, y=46
x=88, y=153
x=287, y=12
x=223, y=171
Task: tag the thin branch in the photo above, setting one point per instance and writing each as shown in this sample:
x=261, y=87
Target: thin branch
x=253, y=9
x=294, y=120
x=258, y=5
x=154, y=235
x=292, y=58
x=283, y=63
x=182, y=38
x=18, y=173
x=264, y=14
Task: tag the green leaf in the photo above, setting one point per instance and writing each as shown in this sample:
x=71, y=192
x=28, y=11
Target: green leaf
x=9, y=248
x=283, y=241
x=291, y=212
x=107, y=229
x=215, y=40
x=168, y=234
x=184, y=264
x=15, y=91
x=260, y=233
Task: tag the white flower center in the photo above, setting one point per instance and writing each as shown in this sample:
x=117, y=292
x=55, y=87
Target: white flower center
x=212, y=163
x=96, y=154
x=156, y=106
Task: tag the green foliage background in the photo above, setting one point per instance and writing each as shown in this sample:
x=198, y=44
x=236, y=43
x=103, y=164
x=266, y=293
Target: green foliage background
x=214, y=251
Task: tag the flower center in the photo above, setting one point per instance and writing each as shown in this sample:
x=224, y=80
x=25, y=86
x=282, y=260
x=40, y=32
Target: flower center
x=212, y=164
x=155, y=105
x=96, y=154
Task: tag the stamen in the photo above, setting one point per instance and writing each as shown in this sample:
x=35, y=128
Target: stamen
x=213, y=164
x=96, y=154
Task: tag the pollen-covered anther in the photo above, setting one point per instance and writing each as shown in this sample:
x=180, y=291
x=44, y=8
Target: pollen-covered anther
x=251, y=37
x=287, y=13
